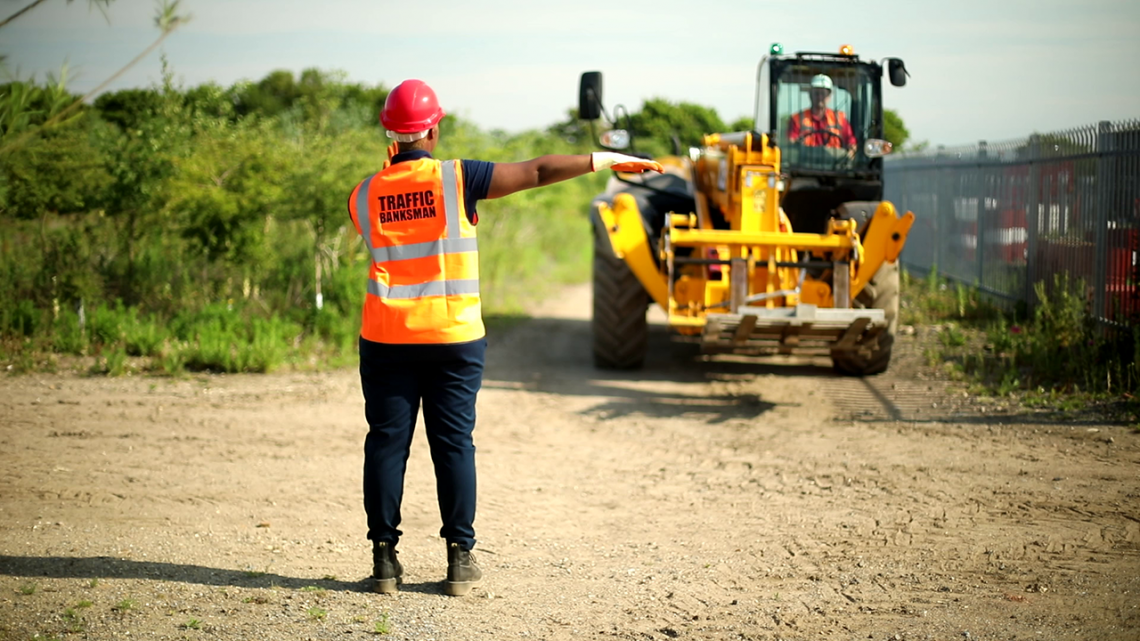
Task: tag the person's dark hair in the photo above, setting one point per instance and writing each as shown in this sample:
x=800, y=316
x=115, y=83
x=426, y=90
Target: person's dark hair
x=409, y=146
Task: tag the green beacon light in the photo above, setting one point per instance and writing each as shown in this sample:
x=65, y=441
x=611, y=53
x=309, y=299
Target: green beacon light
x=777, y=49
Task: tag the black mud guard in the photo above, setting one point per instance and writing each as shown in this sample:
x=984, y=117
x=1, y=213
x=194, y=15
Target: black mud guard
x=861, y=211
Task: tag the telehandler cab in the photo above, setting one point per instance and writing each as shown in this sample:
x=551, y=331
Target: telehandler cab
x=771, y=241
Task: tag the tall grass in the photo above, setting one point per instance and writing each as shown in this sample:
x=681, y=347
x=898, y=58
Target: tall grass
x=1058, y=350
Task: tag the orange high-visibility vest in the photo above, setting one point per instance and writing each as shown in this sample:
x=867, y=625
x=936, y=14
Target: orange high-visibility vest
x=834, y=123
x=423, y=284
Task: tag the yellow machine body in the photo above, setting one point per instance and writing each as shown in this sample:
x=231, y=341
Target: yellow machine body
x=757, y=286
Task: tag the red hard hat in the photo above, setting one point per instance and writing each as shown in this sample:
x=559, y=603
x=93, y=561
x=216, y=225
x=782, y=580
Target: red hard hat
x=411, y=108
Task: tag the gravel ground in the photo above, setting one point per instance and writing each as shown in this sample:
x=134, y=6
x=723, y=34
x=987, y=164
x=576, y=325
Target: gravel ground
x=697, y=499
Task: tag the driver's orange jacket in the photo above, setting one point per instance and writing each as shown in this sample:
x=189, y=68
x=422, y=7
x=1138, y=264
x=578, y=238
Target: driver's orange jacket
x=805, y=123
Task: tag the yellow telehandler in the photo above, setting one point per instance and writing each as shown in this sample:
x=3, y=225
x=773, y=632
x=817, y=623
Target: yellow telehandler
x=771, y=241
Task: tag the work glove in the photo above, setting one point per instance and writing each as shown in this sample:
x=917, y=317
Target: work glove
x=393, y=149
x=600, y=160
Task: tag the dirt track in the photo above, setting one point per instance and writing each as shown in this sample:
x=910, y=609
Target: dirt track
x=697, y=500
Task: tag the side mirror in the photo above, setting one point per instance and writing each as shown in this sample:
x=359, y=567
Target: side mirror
x=590, y=95
x=897, y=71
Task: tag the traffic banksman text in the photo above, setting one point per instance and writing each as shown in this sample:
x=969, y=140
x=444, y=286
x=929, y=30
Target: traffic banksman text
x=408, y=206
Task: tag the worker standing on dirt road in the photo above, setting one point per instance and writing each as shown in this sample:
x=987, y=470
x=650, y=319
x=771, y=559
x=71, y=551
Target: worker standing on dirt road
x=422, y=337
x=819, y=125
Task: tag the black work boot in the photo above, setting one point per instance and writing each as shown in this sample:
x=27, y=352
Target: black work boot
x=386, y=569
x=462, y=573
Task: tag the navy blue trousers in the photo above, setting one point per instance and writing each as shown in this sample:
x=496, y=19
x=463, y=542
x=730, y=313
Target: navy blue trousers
x=396, y=379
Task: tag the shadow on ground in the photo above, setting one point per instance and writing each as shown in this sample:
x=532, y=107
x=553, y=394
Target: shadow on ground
x=554, y=355
x=105, y=567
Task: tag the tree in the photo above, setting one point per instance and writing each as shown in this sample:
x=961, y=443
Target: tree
x=210, y=100
x=127, y=108
x=745, y=123
x=62, y=172
x=316, y=94
x=58, y=171
x=658, y=121
x=141, y=160
x=573, y=130
x=270, y=96
x=894, y=130
x=370, y=99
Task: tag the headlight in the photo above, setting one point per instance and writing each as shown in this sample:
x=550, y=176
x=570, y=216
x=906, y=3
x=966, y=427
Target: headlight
x=876, y=148
x=615, y=138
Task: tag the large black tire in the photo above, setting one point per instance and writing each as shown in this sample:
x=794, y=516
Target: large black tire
x=621, y=332
x=881, y=293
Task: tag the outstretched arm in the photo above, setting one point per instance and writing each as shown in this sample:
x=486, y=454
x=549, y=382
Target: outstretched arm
x=509, y=177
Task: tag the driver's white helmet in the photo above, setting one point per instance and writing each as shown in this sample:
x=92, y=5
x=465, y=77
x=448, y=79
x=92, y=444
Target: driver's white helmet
x=822, y=81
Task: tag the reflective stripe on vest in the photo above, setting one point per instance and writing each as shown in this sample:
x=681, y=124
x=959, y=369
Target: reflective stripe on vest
x=450, y=199
x=423, y=250
x=433, y=288
x=453, y=244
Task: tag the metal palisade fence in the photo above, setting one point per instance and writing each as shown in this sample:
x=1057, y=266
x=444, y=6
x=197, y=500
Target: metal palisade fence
x=1052, y=208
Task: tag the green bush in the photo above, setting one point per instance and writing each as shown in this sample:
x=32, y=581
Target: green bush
x=105, y=325
x=1060, y=350
x=22, y=318
x=67, y=336
x=213, y=348
x=172, y=361
x=116, y=362
x=191, y=225
x=218, y=345
x=143, y=337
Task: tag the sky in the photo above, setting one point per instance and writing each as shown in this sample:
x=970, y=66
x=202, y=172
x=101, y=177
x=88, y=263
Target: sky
x=980, y=69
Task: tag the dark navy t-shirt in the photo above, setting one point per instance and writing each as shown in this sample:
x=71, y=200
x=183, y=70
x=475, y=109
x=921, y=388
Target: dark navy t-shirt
x=476, y=184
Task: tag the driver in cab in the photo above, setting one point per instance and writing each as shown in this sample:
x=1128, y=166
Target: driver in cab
x=820, y=126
